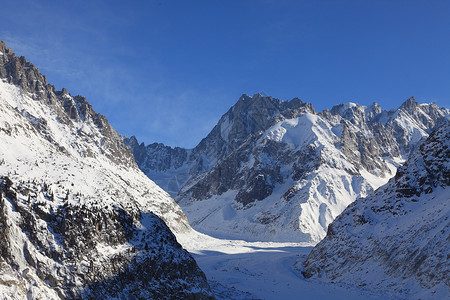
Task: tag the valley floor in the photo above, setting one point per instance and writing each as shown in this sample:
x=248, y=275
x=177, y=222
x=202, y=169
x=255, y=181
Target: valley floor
x=255, y=270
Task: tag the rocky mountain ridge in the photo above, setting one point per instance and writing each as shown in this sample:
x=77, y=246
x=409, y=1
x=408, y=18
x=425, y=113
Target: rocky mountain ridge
x=78, y=217
x=173, y=167
x=396, y=240
x=276, y=170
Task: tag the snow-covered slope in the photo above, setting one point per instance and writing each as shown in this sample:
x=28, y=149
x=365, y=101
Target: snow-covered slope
x=397, y=240
x=172, y=168
x=76, y=209
x=274, y=170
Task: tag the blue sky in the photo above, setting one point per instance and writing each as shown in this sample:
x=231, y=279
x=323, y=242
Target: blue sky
x=166, y=71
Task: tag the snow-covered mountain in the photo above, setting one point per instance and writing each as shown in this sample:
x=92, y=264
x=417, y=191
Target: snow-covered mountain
x=274, y=170
x=397, y=240
x=77, y=216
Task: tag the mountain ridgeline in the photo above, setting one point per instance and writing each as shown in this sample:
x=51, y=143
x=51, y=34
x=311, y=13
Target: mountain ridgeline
x=395, y=241
x=274, y=170
x=78, y=219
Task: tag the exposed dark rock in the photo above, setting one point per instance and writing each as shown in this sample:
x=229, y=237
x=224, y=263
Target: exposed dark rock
x=150, y=264
x=396, y=240
x=20, y=72
x=104, y=240
x=243, y=154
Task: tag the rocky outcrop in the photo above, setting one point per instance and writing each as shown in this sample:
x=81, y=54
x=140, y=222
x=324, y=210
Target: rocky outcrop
x=396, y=240
x=67, y=109
x=78, y=251
x=281, y=158
x=78, y=219
x=172, y=168
x=157, y=156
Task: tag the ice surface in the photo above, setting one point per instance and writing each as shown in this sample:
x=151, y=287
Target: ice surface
x=237, y=269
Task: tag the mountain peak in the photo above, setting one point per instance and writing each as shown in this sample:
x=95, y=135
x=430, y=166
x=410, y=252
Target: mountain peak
x=262, y=143
x=376, y=105
x=72, y=194
x=3, y=49
x=132, y=142
x=19, y=71
x=258, y=96
x=70, y=111
x=410, y=104
x=343, y=108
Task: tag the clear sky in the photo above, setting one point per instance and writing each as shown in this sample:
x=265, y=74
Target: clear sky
x=166, y=71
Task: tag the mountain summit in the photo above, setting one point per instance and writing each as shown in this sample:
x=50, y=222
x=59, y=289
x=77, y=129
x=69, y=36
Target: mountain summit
x=78, y=219
x=274, y=170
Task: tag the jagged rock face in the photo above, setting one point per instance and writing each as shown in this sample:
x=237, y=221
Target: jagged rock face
x=66, y=132
x=56, y=248
x=278, y=171
x=67, y=109
x=396, y=240
x=249, y=117
x=172, y=168
x=162, y=160
x=81, y=202
x=157, y=156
